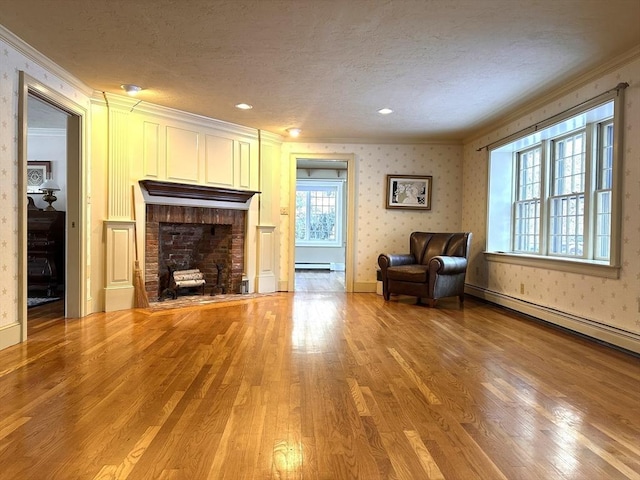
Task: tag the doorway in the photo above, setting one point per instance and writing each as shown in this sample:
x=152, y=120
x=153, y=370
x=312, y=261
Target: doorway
x=46, y=203
x=50, y=172
x=322, y=212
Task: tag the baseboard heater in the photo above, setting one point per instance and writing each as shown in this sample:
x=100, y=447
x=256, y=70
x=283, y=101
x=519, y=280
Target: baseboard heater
x=313, y=266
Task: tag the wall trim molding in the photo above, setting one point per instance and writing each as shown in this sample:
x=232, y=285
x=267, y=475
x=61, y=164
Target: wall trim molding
x=408, y=140
x=364, y=287
x=591, y=328
x=10, y=335
x=138, y=106
x=45, y=62
x=270, y=137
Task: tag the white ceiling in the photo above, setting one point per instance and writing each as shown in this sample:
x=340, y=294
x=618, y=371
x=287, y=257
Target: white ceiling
x=446, y=67
x=41, y=114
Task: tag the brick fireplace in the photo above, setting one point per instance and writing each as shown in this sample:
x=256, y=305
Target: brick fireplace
x=194, y=237
x=181, y=235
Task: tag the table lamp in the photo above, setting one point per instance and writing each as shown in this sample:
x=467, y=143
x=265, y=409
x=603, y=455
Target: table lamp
x=48, y=187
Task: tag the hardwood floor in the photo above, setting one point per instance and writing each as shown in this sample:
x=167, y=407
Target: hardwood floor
x=316, y=386
x=319, y=281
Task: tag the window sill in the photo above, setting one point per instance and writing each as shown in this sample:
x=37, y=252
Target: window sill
x=583, y=267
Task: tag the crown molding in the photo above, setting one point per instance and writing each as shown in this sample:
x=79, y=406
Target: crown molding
x=270, y=137
x=376, y=141
x=137, y=105
x=45, y=62
x=556, y=94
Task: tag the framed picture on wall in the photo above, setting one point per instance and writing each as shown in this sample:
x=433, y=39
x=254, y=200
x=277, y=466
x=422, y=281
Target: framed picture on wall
x=409, y=191
x=37, y=172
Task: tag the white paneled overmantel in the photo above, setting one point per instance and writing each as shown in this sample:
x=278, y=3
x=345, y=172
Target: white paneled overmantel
x=181, y=147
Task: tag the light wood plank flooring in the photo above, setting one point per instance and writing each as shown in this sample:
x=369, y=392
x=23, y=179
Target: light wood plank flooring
x=319, y=281
x=316, y=386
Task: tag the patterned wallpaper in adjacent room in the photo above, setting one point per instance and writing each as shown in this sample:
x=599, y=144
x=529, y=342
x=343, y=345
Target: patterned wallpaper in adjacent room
x=614, y=302
x=377, y=229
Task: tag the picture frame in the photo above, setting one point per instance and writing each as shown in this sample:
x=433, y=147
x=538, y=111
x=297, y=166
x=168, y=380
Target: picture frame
x=38, y=171
x=409, y=192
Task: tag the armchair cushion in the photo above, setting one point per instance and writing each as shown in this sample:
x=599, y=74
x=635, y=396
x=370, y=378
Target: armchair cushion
x=409, y=273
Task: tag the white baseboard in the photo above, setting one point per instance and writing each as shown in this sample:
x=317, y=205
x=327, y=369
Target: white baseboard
x=265, y=283
x=334, y=267
x=364, y=287
x=591, y=328
x=10, y=335
x=119, y=298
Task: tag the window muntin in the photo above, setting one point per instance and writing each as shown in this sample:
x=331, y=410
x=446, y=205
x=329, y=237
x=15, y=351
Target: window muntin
x=572, y=217
x=527, y=204
x=567, y=199
x=318, y=213
x=603, y=193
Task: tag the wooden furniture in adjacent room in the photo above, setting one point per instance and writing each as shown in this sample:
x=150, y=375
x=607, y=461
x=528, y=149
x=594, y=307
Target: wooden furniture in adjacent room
x=45, y=251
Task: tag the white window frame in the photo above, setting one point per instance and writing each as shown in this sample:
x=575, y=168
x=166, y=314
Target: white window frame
x=524, y=200
x=338, y=187
x=585, y=192
x=591, y=117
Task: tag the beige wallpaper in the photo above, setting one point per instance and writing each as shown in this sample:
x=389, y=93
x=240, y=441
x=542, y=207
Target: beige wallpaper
x=377, y=229
x=11, y=62
x=612, y=302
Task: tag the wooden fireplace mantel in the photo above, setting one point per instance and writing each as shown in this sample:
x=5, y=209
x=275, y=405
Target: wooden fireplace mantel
x=198, y=192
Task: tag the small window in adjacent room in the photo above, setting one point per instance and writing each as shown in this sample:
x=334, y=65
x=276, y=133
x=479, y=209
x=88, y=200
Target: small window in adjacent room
x=319, y=213
x=553, y=192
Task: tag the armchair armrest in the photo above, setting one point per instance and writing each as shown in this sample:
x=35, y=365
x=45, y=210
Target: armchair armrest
x=386, y=260
x=445, y=265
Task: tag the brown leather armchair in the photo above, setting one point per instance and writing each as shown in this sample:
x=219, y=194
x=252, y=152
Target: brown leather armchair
x=435, y=267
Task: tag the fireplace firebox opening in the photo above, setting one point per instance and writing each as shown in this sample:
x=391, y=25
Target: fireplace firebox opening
x=210, y=240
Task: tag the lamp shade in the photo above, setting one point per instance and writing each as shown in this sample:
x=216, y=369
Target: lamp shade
x=50, y=185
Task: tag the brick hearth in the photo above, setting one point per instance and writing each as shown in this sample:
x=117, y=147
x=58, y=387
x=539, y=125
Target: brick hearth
x=194, y=237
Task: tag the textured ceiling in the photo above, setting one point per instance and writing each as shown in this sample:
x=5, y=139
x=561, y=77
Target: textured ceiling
x=446, y=67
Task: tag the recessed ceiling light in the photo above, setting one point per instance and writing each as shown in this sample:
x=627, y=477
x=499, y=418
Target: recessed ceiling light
x=131, y=89
x=385, y=111
x=294, y=132
x=244, y=106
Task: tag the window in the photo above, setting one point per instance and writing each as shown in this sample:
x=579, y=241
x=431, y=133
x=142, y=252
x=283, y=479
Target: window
x=527, y=204
x=552, y=191
x=604, y=185
x=319, y=213
x=566, y=202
